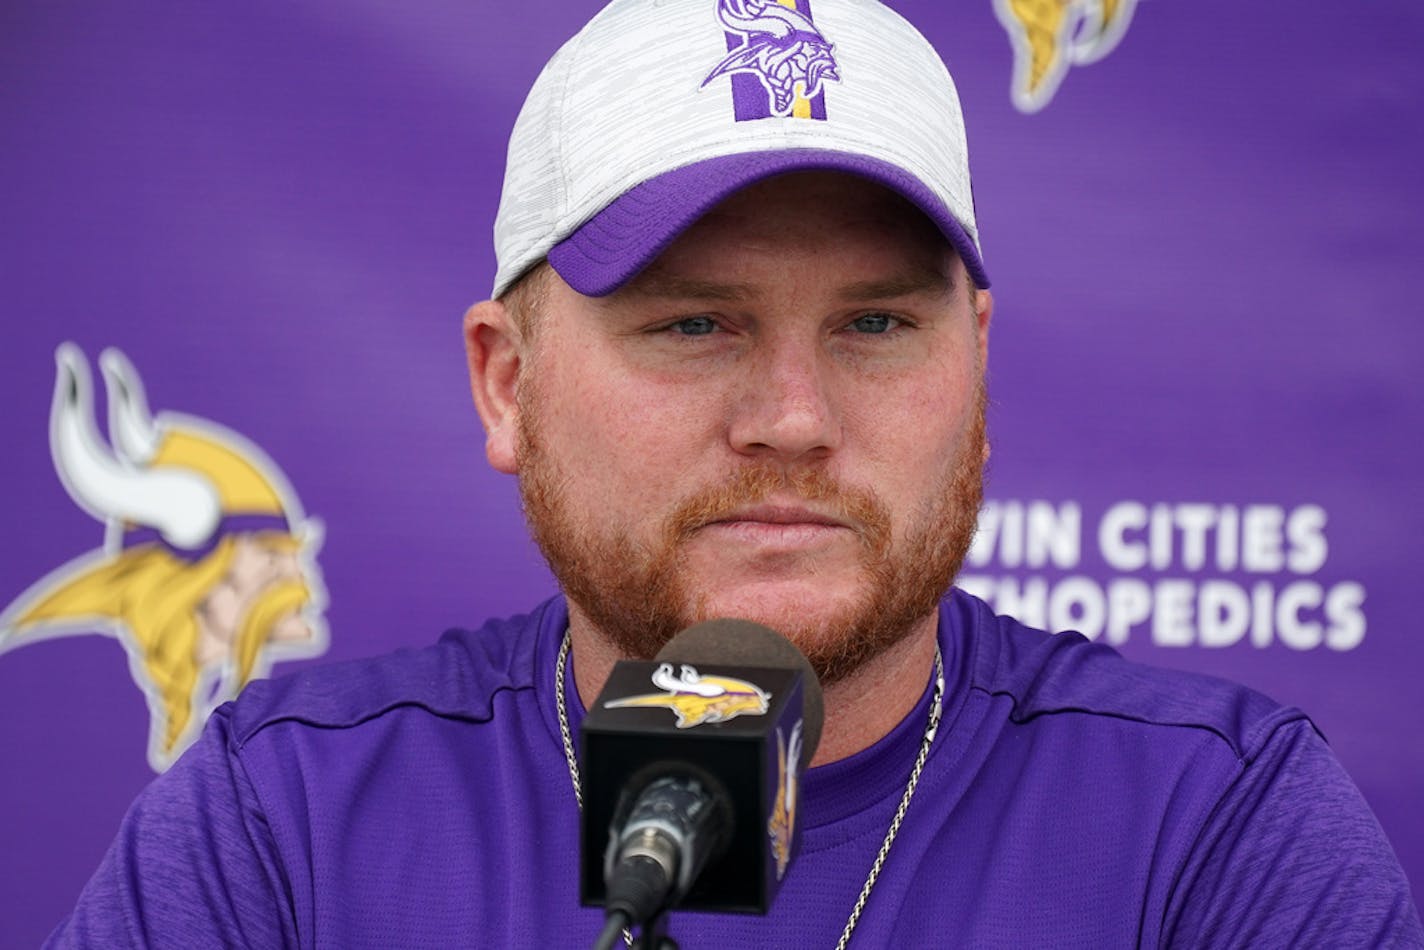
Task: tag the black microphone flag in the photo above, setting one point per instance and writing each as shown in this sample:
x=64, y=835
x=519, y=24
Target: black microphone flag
x=706, y=745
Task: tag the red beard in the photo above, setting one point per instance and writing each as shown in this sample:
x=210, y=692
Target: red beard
x=638, y=597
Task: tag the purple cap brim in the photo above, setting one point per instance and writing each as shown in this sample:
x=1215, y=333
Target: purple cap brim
x=627, y=235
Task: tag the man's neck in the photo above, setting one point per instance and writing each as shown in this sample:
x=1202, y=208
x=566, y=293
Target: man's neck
x=860, y=709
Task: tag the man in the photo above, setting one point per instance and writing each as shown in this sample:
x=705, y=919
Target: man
x=736, y=359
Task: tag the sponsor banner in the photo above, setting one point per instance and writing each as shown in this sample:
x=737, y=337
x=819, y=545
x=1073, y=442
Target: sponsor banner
x=1170, y=574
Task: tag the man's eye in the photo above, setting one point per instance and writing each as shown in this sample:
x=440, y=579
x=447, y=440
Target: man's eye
x=694, y=326
x=874, y=323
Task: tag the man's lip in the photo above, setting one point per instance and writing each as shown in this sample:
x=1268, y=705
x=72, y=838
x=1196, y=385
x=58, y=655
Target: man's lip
x=780, y=514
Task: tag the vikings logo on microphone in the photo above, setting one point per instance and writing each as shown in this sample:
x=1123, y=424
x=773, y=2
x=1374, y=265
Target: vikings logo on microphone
x=781, y=826
x=697, y=699
x=207, y=572
x=1049, y=36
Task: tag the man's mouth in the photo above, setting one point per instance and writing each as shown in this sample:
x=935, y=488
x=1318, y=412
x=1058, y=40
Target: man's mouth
x=776, y=514
x=777, y=526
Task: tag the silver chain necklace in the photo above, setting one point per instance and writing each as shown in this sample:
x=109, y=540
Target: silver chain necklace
x=936, y=708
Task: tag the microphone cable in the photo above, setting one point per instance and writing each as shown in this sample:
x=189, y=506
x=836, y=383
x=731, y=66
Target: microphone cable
x=613, y=929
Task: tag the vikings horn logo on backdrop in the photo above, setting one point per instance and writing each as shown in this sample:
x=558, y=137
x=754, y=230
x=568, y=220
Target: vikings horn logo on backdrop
x=207, y=572
x=1049, y=36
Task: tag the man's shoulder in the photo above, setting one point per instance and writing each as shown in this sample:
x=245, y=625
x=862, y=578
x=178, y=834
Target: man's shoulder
x=1051, y=674
x=457, y=677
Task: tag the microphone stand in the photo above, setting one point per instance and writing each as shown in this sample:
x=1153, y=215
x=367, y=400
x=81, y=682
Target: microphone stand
x=654, y=936
x=651, y=936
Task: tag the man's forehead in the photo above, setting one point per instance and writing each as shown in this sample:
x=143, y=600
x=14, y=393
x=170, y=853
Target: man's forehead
x=914, y=278
x=817, y=212
x=831, y=196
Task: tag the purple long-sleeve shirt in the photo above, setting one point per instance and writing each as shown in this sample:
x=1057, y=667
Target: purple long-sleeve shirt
x=1071, y=799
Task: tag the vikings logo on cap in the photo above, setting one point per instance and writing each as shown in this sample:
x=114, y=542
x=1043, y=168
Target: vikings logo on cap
x=697, y=699
x=777, y=59
x=207, y=572
x=781, y=826
x=1049, y=36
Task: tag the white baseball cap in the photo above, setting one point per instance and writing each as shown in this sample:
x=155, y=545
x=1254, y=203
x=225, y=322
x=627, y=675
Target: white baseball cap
x=658, y=109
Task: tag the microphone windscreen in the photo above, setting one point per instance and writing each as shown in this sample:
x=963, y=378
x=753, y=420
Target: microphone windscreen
x=743, y=643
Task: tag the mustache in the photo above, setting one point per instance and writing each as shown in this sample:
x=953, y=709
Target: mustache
x=758, y=483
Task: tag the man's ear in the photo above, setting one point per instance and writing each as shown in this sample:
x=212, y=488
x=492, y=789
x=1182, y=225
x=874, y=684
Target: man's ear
x=493, y=349
x=983, y=315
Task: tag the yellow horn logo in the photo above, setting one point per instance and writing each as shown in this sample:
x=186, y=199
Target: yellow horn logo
x=697, y=699
x=1050, y=36
x=207, y=572
x=781, y=826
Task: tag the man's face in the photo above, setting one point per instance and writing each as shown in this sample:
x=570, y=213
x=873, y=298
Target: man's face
x=781, y=419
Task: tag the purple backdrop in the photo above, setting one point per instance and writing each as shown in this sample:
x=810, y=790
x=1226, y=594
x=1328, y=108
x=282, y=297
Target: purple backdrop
x=1207, y=402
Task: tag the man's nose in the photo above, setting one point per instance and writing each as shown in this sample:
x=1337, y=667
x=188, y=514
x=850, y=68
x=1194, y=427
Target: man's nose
x=786, y=407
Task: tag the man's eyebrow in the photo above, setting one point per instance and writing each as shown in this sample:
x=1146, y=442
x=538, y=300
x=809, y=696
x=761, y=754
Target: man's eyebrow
x=664, y=286
x=927, y=282
x=660, y=285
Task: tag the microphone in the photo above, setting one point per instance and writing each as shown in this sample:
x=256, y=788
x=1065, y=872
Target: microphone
x=692, y=768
